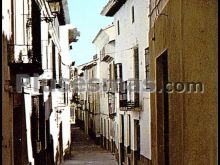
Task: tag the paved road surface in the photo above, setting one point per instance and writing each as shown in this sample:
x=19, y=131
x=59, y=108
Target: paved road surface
x=85, y=152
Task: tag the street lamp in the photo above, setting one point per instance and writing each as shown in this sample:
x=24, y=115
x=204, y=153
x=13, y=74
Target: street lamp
x=54, y=6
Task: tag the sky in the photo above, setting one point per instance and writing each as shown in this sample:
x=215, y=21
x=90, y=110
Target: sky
x=85, y=16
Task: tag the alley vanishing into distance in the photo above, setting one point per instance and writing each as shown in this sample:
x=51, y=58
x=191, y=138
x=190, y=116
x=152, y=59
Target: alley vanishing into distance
x=84, y=150
x=146, y=95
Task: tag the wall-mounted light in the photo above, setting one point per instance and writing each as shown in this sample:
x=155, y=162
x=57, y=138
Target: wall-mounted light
x=54, y=6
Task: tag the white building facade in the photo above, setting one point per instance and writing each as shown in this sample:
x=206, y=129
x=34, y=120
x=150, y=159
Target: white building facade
x=37, y=106
x=105, y=47
x=131, y=56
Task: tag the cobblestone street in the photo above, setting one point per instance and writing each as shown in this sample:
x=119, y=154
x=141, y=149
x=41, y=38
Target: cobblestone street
x=84, y=151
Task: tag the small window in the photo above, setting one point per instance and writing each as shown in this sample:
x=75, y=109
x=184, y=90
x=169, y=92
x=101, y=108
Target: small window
x=132, y=12
x=118, y=25
x=136, y=62
x=118, y=71
x=147, y=64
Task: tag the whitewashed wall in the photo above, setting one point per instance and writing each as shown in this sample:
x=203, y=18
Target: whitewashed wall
x=6, y=18
x=131, y=35
x=28, y=112
x=103, y=40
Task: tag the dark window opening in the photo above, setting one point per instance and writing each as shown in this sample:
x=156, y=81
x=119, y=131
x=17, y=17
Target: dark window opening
x=118, y=25
x=60, y=73
x=36, y=32
x=132, y=11
x=54, y=60
x=147, y=64
x=118, y=71
x=123, y=94
x=64, y=93
x=136, y=75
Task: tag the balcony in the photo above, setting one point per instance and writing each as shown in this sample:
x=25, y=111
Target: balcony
x=22, y=60
x=105, y=55
x=133, y=105
x=128, y=100
x=26, y=68
x=107, y=58
x=24, y=55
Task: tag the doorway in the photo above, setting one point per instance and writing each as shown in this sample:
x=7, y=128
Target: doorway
x=162, y=110
x=122, y=151
x=19, y=136
x=61, y=142
x=137, y=155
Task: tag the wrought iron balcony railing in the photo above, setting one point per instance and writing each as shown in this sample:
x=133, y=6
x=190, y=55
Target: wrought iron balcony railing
x=22, y=60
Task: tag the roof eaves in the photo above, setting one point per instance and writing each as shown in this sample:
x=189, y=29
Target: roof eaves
x=112, y=7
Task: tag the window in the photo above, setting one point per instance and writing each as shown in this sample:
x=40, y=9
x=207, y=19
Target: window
x=60, y=60
x=118, y=74
x=36, y=31
x=111, y=101
x=54, y=60
x=112, y=84
x=118, y=71
x=123, y=94
x=136, y=76
x=64, y=93
x=147, y=64
x=118, y=25
x=132, y=12
x=102, y=53
x=136, y=63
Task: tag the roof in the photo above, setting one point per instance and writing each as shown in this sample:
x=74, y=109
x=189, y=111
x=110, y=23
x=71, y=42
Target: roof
x=100, y=31
x=87, y=65
x=112, y=7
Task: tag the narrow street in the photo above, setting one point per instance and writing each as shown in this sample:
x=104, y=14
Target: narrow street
x=84, y=151
x=109, y=82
